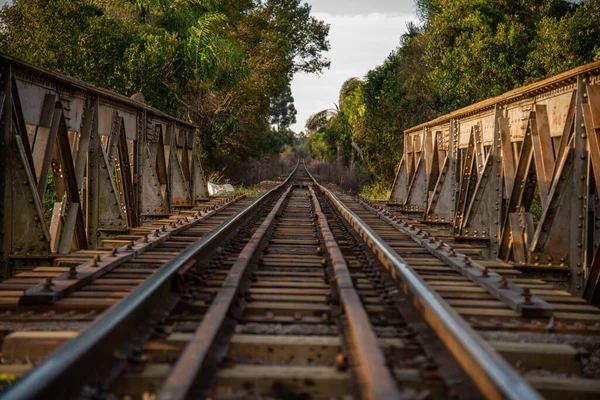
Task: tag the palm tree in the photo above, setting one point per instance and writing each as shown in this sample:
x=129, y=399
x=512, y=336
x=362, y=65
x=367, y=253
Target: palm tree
x=352, y=103
x=344, y=119
x=328, y=119
x=321, y=119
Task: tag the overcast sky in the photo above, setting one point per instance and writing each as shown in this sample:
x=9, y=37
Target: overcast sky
x=362, y=35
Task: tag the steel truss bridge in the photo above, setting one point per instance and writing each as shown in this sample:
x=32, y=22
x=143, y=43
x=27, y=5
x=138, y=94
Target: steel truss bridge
x=122, y=278
x=113, y=162
x=520, y=173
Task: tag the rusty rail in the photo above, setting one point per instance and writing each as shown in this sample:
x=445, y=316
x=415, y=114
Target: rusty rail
x=509, y=293
x=82, y=275
x=100, y=351
x=494, y=377
x=375, y=379
x=374, y=376
x=179, y=384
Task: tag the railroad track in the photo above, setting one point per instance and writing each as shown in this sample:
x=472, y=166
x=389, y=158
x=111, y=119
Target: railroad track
x=304, y=292
x=93, y=280
x=549, y=336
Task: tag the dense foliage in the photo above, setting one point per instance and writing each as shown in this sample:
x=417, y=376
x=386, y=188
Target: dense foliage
x=217, y=63
x=460, y=52
x=283, y=111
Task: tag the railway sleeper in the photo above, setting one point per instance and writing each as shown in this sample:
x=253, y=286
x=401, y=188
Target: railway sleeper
x=564, y=361
x=290, y=327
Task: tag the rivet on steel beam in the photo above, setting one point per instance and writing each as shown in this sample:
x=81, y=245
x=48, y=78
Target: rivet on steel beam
x=47, y=286
x=341, y=362
x=527, y=295
x=484, y=271
x=503, y=283
x=94, y=262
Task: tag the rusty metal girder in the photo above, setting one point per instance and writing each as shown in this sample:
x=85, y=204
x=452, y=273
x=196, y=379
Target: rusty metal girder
x=521, y=170
x=101, y=161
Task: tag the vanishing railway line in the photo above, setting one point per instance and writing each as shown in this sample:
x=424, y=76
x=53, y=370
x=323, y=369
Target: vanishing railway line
x=138, y=285
x=304, y=292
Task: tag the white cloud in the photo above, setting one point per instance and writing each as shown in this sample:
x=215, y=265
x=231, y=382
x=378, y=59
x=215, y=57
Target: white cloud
x=358, y=43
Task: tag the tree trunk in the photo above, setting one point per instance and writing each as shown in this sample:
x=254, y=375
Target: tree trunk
x=352, y=154
x=339, y=162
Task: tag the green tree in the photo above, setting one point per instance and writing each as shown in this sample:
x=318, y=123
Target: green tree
x=79, y=38
x=305, y=37
x=461, y=52
x=334, y=128
x=283, y=112
x=217, y=63
x=479, y=48
x=565, y=42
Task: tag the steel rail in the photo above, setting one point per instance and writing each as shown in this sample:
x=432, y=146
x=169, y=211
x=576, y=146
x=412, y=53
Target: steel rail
x=92, y=355
x=373, y=375
x=494, y=377
x=180, y=383
x=510, y=294
x=87, y=272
